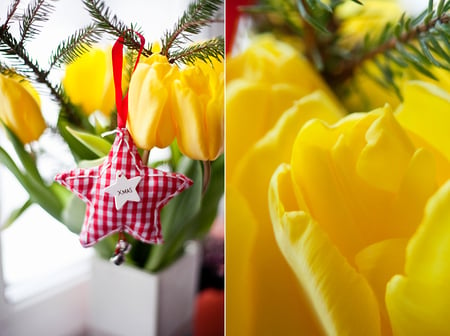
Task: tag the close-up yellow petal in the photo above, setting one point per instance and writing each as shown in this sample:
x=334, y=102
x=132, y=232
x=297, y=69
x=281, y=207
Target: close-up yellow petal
x=425, y=113
x=341, y=298
x=240, y=232
x=280, y=309
x=385, y=142
x=251, y=110
x=418, y=301
x=378, y=263
x=19, y=109
x=337, y=169
x=276, y=146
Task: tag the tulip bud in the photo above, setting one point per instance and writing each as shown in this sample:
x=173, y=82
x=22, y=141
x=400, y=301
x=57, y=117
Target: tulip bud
x=199, y=110
x=88, y=82
x=150, y=103
x=20, y=108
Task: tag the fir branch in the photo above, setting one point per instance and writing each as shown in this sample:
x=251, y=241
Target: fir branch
x=111, y=24
x=412, y=42
x=203, y=51
x=75, y=45
x=199, y=14
x=319, y=14
x=17, y=53
x=276, y=17
x=37, y=11
x=11, y=12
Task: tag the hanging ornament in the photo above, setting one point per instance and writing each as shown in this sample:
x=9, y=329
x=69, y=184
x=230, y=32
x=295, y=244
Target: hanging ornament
x=123, y=194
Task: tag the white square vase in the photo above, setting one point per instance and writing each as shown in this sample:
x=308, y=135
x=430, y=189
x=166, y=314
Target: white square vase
x=128, y=301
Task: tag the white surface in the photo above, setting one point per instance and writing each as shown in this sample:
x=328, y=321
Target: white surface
x=127, y=301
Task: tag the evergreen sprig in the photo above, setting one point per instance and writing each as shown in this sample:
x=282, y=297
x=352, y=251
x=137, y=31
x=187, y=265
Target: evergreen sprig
x=199, y=14
x=276, y=17
x=36, y=12
x=23, y=63
x=418, y=42
x=110, y=23
x=204, y=51
x=75, y=45
x=11, y=12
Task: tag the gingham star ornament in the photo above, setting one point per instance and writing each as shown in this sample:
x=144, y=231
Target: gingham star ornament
x=122, y=194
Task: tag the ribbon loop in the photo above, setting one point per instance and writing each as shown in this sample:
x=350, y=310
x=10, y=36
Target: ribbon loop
x=117, y=60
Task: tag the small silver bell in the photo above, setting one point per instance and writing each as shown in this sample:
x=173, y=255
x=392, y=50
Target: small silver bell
x=122, y=248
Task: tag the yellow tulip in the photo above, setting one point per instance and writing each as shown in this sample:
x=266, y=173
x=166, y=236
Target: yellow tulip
x=20, y=108
x=263, y=82
x=150, y=101
x=267, y=302
x=88, y=82
x=348, y=216
x=199, y=110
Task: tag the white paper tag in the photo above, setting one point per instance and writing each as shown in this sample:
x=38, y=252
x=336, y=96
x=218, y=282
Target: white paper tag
x=124, y=190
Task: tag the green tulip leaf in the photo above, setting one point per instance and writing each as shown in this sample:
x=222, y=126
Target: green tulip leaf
x=38, y=191
x=91, y=163
x=16, y=214
x=94, y=143
x=175, y=216
x=78, y=149
x=25, y=158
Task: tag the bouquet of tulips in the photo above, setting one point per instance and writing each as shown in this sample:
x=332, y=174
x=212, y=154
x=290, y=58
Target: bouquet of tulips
x=175, y=101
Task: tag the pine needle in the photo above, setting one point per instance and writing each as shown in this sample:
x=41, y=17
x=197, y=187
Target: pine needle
x=75, y=45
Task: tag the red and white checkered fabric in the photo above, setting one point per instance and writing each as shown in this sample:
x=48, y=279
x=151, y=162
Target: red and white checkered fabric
x=141, y=219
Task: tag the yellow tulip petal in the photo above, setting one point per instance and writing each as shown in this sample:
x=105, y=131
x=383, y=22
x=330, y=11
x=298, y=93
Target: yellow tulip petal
x=20, y=111
x=269, y=60
x=251, y=176
x=190, y=121
x=425, y=112
x=379, y=263
x=342, y=300
x=252, y=110
x=334, y=175
x=240, y=235
x=198, y=112
x=316, y=183
x=84, y=80
x=419, y=183
x=386, y=141
x=419, y=302
x=150, y=119
x=214, y=135
x=280, y=309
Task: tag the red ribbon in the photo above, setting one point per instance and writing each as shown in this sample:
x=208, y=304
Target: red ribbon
x=232, y=17
x=117, y=60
